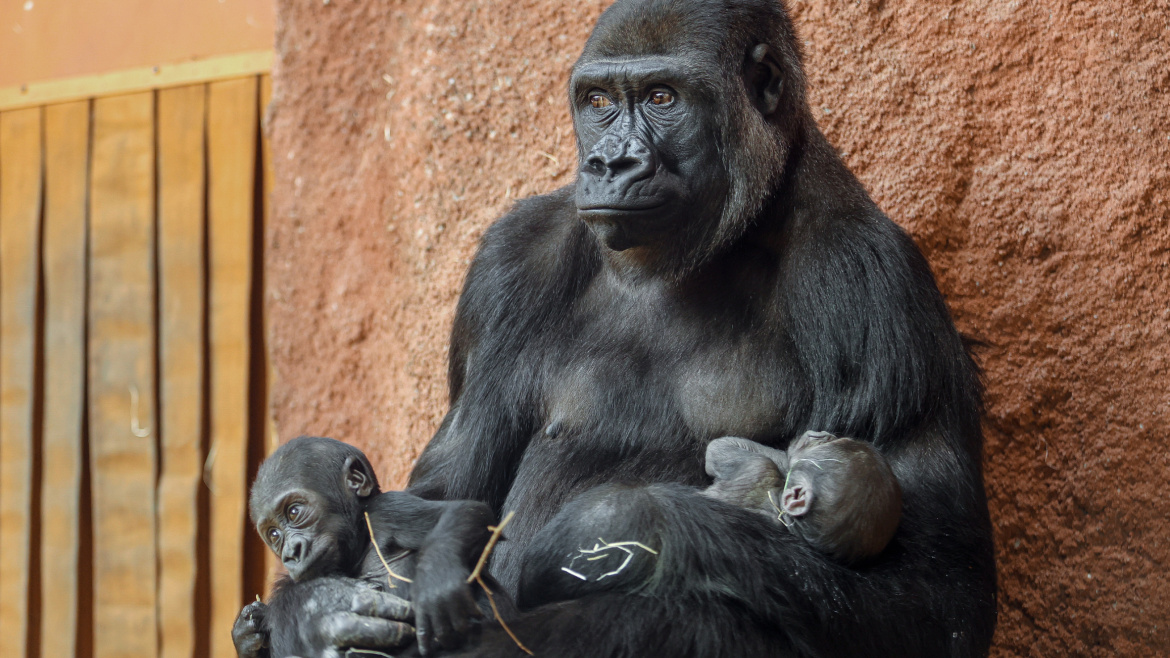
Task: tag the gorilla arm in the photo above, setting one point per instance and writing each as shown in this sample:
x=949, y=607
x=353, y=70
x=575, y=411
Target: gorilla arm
x=492, y=415
x=727, y=582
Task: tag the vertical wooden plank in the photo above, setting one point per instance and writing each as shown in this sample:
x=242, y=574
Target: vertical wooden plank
x=20, y=218
x=121, y=376
x=66, y=169
x=181, y=115
x=271, y=563
x=232, y=160
x=271, y=442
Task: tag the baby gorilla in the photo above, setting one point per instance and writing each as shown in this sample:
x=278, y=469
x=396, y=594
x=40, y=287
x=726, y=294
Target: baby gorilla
x=309, y=503
x=837, y=494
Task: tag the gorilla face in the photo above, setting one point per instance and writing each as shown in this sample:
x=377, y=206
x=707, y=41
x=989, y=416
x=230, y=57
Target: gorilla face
x=651, y=172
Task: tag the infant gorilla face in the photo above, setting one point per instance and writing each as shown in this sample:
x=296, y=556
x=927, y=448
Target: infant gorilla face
x=307, y=505
x=838, y=494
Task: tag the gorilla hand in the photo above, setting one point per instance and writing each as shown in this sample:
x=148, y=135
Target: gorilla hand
x=444, y=605
x=375, y=620
x=249, y=633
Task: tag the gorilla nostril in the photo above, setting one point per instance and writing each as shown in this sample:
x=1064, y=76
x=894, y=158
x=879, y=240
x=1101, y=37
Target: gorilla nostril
x=596, y=164
x=624, y=163
x=294, y=550
x=631, y=157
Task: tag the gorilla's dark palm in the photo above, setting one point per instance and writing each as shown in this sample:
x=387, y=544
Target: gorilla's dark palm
x=309, y=504
x=715, y=270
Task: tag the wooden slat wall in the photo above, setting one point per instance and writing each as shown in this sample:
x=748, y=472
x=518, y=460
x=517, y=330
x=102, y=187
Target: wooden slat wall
x=121, y=376
x=128, y=281
x=20, y=218
x=231, y=126
x=181, y=118
x=64, y=254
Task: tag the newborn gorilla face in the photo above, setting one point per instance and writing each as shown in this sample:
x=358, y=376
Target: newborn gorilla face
x=841, y=496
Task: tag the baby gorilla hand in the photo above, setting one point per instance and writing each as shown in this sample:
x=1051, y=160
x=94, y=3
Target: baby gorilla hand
x=249, y=633
x=443, y=603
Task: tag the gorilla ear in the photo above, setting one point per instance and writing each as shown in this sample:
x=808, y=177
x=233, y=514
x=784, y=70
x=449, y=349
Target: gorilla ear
x=357, y=479
x=763, y=79
x=796, y=500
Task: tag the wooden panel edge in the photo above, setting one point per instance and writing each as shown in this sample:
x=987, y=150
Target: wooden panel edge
x=136, y=79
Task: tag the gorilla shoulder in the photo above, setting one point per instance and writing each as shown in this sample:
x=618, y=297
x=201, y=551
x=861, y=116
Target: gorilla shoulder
x=532, y=226
x=540, y=243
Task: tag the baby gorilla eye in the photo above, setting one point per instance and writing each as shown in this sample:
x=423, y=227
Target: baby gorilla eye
x=599, y=101
x=293, y=512
x=661, y=97
x=273, y=535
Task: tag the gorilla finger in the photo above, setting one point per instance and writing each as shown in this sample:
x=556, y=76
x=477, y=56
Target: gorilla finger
x=373, y=603
x=424, y=632
x=348, y=629
x=464, y=612
x=444, y=633
x=251, y=616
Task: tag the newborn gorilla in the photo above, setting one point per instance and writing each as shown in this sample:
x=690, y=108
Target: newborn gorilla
x=309, y=504
x=837, y=494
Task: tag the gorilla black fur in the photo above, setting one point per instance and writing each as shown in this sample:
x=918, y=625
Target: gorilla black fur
x=715, y=270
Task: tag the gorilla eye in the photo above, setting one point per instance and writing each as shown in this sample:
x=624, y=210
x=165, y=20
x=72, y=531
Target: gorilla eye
x=273, y=535
x=661, y=97
x=599, y=101
x=293, y=512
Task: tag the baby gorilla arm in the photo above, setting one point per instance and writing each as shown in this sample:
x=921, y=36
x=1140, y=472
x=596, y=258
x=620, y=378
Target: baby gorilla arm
x=747, y=474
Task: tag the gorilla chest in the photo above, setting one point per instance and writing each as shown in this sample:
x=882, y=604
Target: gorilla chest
x=639, y=390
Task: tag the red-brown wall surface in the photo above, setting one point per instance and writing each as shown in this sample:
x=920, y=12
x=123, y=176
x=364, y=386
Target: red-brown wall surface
x=1025, y=145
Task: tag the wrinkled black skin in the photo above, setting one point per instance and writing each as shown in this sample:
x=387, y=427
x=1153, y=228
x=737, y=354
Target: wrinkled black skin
x=328, y=553
x=715, y=270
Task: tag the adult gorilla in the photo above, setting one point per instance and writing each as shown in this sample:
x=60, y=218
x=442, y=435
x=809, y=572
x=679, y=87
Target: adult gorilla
x=715, y=270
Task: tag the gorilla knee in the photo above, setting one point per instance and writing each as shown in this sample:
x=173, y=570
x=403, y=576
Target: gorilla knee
x=606, y=539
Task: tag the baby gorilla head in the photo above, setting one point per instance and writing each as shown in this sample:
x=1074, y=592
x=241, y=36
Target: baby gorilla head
x=307, y=504
x=840, y=496
x=837, y=494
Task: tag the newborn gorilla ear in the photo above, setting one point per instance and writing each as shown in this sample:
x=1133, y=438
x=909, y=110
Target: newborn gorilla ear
x=357, y=477
x=797, y=497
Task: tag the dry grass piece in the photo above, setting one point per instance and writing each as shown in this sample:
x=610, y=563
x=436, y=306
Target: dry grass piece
x=389, y=572
x=477, y=577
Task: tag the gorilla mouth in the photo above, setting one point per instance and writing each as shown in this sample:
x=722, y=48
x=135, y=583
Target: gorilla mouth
x=319, y=560
x=605, y=209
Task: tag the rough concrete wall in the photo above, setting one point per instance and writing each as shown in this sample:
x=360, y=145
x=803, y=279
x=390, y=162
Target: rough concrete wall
x=1024, y=145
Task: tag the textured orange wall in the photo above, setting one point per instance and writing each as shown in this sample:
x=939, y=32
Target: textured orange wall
x=48, y=39
x=1025, y=145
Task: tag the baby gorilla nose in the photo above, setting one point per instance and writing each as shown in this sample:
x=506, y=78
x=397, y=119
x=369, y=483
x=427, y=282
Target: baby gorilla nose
x=296, y=548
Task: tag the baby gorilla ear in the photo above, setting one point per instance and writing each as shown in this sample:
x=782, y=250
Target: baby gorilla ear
x=797, y=497
x=357, y=478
